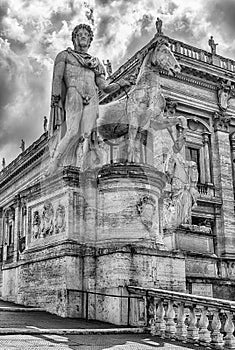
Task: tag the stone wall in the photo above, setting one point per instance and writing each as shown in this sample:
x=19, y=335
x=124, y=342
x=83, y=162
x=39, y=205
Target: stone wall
x=44, y=277
x=116, y=268
x=54, y=277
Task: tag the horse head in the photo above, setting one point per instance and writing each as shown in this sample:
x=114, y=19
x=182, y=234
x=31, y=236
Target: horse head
x=158, y=57
x=162, y=57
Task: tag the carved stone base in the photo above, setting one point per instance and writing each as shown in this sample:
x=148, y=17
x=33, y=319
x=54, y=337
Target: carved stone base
x=129, y=207
x=75, y=280
x=89, y=233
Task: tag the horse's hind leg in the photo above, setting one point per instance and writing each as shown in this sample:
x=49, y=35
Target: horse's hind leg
x=131, y=143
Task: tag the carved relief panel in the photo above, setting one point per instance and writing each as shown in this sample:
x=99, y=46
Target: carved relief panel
x=47, y=219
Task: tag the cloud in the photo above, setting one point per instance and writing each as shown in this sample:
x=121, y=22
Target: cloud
x=3, y=14
x=221, y=16
x=32, y=32
x=22, y=98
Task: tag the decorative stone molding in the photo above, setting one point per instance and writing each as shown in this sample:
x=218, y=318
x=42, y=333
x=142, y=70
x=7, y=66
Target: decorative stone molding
x=197, y=228
x=225, y=92
x=171, y=107
x=146, y=207
x=10, y=213
x=36, y=225
x=47, y=219
x=221, y=121
x=230, y=269
x=60, y=219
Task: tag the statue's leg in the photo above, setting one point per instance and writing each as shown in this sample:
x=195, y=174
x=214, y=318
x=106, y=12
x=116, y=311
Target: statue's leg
x=90, y=156
x=74, y=110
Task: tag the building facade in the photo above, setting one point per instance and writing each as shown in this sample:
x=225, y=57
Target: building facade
x=42, y=239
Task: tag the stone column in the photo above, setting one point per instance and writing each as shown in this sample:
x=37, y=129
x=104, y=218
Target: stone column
x=16, y=226
x=232, y=145
x=202, y=166
x=1, y=234
x=223, y=167
x=1, y=226
x=207, y=158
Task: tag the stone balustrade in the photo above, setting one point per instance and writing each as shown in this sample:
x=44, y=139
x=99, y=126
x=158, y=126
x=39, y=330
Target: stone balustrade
x=200, y=320
x=197, y=228
x=181, y=48
x=201, y=55
x=206, y=190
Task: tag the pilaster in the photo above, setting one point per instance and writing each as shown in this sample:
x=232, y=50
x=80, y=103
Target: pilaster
x=207, y=158
x=16, y=226
x=232, y=145
x=226, y=229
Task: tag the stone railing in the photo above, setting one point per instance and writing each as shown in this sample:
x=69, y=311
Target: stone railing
x=199, y=320
x=181, y=48
x=201, y=55
x=24, y=160
x=189, y=51
x=196, y=228
x=206, y=190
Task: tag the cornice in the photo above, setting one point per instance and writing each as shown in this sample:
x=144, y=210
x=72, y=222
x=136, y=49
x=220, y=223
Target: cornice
x=204, y=71
x=16, y=169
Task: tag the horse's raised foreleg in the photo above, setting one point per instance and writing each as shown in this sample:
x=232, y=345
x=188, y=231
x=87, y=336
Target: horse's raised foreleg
x=164, y=123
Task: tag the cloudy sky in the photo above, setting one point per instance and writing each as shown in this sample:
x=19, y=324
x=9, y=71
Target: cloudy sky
x=32, y=32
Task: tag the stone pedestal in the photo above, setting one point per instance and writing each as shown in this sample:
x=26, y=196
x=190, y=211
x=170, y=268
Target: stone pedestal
x=96, y=232
x=128, y=204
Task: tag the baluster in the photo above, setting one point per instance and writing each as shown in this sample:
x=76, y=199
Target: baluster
x=181, y=328
x=216, y=336
x=229, y=329
x=204, y=333
x=192, y=328
x=160, y=321
x=152, y=315
x=170, y=323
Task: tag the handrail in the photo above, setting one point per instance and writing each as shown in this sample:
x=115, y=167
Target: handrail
x=190, y=318
x=103, y=294
x=180, y=296
x=88, y=292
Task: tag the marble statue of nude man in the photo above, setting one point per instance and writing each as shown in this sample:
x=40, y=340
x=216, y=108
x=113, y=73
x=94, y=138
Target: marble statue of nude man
x=77, y=78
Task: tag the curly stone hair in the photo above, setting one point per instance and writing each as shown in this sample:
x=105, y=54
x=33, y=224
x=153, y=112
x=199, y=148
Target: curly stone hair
x=82, y=26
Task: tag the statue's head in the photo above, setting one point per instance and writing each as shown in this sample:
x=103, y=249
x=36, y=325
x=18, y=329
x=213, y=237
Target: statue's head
x=79, y=28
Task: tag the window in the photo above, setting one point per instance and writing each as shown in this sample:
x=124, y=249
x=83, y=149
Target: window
x=193, y=154
x=10, y=233
x=198, y=149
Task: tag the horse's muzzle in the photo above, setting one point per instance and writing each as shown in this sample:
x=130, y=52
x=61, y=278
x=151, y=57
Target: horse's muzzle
x=173, y=71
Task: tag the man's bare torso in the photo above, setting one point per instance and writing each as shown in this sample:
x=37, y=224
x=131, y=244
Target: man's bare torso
x=82, y=78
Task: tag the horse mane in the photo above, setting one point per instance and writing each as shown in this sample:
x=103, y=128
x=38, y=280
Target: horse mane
x=146, y=55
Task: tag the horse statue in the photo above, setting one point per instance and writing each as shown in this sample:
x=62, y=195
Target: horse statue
x=143, y=106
